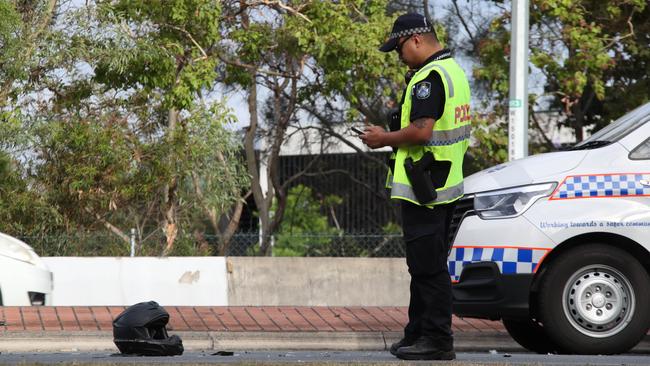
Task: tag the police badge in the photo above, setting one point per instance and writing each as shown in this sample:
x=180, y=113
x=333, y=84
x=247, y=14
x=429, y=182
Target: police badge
x=423, y=90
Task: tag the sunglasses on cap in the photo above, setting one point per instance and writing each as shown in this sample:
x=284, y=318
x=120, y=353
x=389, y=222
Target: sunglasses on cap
x=399, y=45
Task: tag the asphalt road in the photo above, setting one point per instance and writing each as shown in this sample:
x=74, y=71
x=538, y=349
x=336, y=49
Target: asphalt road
x=317, y=357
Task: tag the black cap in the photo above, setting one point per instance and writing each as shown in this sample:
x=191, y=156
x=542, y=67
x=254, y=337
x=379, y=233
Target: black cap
x=405, y=25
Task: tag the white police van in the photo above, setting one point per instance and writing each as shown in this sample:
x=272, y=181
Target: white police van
x=24, y=278
x=557, y=245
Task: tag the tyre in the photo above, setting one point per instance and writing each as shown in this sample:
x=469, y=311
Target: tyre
x=530, y=335
x=593, y=300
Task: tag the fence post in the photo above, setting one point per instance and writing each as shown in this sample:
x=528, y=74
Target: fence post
x=132, y=242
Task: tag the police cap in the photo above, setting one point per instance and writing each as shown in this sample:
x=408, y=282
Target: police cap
x=405, y=25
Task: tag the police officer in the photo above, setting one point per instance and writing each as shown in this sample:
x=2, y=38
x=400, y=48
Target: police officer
x=427, y=178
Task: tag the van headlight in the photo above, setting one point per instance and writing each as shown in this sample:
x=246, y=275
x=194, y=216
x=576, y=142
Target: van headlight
x=510, y=202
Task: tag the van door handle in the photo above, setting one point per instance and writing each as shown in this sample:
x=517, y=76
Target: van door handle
x=645, y=182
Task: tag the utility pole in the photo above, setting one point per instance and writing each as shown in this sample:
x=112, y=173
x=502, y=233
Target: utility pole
x=518, y=116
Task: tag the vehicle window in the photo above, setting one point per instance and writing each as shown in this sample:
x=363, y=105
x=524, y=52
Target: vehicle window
x=641, y=152
x=621, y=127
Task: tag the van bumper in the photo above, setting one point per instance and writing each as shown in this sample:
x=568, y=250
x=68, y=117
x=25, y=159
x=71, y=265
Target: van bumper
x=483, y=292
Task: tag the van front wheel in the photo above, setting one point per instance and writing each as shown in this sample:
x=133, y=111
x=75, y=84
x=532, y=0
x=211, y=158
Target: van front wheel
x=530, y=335
x=592, y=300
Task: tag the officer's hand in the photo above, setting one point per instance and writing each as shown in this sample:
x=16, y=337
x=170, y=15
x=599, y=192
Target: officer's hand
x=373, y=136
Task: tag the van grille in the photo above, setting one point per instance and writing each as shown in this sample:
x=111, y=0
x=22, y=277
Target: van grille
x=464, y=207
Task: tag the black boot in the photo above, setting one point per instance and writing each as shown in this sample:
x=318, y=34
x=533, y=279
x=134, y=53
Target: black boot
x=404, y=342
x=424, y=349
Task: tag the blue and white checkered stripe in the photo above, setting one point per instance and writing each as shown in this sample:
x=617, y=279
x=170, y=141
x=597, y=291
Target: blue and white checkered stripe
x=509, y=260
x=603, y=185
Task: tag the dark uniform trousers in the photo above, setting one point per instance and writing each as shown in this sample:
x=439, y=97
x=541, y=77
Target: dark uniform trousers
x=426, y=236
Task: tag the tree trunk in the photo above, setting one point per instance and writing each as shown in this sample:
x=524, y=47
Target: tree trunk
x=170, y=194
x=285, y=106
x=229, y=232
x=261, y=201
x=578, y=121
x=226, y=234
x=170, y=224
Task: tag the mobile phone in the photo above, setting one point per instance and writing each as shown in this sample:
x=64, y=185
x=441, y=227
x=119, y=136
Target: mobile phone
x=357, y=131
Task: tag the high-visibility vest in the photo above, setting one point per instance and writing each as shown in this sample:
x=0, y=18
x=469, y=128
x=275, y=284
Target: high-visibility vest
x=450, y=137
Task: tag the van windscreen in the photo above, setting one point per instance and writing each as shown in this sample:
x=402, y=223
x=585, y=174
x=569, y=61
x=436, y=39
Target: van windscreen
x=619, y=128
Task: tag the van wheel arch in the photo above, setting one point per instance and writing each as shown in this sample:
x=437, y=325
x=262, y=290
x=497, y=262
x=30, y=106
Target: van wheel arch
x=615, y=240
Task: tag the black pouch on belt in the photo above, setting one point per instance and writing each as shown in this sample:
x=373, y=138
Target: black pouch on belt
x=394, y=120
x=426, y=175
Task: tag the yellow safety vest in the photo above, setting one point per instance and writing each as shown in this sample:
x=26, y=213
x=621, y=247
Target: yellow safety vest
x=450, y=137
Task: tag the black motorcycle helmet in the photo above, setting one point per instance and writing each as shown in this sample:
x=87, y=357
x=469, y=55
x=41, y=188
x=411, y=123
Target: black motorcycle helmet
x=140, y=330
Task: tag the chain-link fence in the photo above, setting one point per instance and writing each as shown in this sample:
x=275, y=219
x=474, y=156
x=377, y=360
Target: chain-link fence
x=240, y=244
x=322, y=245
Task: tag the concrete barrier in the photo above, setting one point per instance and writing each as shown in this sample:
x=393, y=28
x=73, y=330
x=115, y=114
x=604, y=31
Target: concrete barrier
x=126, y=281
x=196, y=281
x=317, y=281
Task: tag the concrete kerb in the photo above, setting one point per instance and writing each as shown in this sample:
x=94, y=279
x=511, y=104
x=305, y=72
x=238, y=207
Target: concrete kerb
x=239, y=341
x=27, y=342
x=351, y=341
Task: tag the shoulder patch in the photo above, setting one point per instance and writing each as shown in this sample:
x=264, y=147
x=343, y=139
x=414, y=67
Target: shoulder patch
x=423, y=90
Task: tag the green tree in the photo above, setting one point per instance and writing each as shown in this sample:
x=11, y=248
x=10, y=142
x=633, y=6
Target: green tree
x=132, y=135
x=163, y=52
x=23, y=212
x=588, y=64
x=298, y=52
x=580, y=49
x=581, y=41
x=628, y=77
x=25, y=28
x=305, y=231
